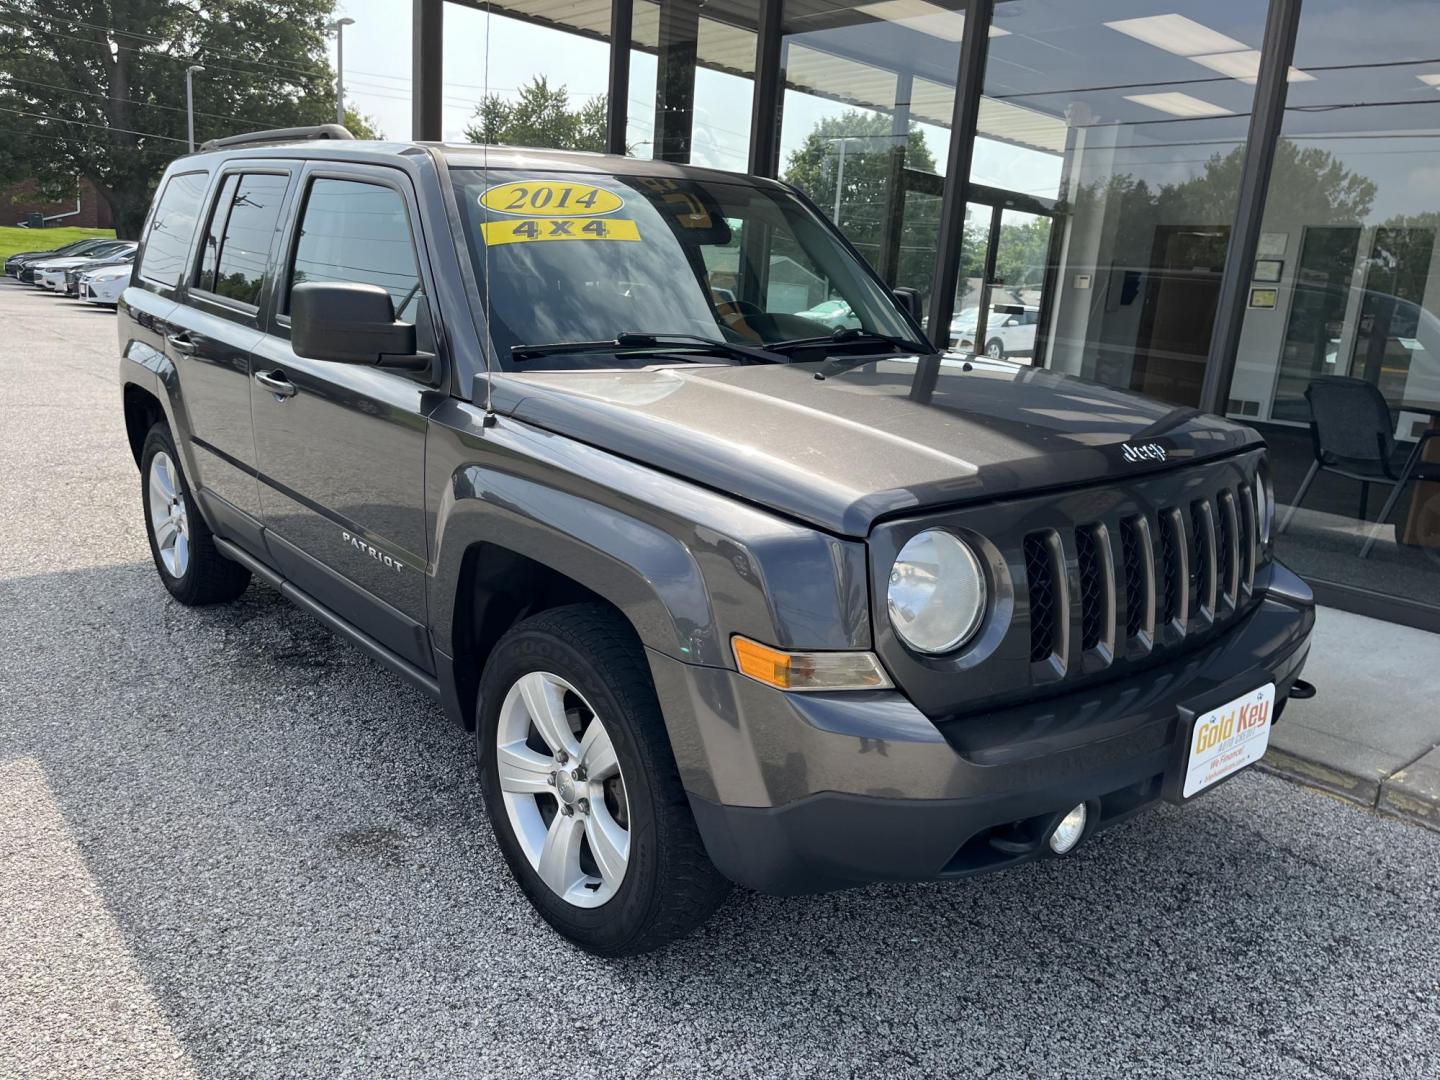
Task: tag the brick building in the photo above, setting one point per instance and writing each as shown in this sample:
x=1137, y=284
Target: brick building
x=20, y=201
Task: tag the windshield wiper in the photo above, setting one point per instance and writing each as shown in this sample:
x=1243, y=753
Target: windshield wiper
x=845, y=335
x=633, y=341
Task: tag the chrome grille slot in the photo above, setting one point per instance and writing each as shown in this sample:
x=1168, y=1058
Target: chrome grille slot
x=1229, y=556
x=1174, y=583
x=1248, y=538
x=1049, y=606
x=1202, y=561
x=1097, y=588
x=1139, y=558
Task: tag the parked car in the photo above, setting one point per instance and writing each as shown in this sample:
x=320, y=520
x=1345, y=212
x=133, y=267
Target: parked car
x=832, y=313
x=103, y=286
x=721, y=595
x=48, y=273
x=15, y=263
x=72, y=276
x=1009, y=330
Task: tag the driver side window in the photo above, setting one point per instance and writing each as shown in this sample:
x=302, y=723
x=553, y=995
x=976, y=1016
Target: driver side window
x=353, y=231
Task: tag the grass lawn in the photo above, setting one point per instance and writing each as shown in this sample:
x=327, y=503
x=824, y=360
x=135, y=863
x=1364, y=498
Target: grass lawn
x=13, y=240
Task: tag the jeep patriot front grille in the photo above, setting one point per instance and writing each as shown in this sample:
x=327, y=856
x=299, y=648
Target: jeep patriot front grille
x=1143, y=582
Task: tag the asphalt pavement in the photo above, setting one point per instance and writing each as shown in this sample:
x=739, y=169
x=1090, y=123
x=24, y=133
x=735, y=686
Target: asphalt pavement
x=230, y=845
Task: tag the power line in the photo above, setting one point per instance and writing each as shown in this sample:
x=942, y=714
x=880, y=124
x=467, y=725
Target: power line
x=107, y=97
x=160, y=41
x=99, y=127
x=82, y=142
x=188, y=59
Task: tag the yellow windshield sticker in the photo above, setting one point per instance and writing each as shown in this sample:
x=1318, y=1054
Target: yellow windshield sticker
x=574, y=228
x=550, y=198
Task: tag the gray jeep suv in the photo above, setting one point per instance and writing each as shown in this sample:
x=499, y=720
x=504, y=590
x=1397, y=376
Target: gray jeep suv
x=726, y=594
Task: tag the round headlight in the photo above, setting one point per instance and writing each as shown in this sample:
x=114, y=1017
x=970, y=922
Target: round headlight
x=937, y=592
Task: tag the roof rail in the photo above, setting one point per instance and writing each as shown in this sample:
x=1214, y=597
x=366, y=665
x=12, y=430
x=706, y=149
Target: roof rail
x=277, y=135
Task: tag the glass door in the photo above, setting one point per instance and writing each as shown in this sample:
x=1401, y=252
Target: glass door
x=1001, y=288
x=1015, y=285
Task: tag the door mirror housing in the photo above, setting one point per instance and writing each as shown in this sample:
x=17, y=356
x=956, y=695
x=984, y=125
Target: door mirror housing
x=909, y=299
x=350, y=323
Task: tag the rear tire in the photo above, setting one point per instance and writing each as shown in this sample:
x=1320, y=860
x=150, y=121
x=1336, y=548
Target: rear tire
x=613, y=860
x=180, y=542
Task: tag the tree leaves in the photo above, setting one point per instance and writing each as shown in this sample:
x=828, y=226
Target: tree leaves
x=541, y=116
x=97, y=90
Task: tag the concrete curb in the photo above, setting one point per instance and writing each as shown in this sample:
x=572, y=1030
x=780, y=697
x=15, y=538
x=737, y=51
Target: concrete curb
x=1412, y=793
x=1371, y=734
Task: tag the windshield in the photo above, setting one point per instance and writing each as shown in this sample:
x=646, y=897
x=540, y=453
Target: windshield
x=576, y=257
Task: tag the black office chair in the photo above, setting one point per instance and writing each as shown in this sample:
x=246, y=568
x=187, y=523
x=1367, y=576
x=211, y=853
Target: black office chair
x=1353, y=436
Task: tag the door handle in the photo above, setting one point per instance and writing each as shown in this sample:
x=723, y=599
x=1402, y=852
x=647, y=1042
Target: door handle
x=276, y=383
x=181, y=343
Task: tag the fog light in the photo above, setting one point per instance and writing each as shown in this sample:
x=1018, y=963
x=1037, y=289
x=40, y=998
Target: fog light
x=1067, y=834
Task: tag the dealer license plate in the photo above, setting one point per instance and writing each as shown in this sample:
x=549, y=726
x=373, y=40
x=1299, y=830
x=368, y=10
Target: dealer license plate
x=1225, y=740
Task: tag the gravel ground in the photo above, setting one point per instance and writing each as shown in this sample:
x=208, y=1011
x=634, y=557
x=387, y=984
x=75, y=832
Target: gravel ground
x=232, y=846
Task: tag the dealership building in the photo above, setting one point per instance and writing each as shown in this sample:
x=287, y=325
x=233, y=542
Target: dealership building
x=1228, y=205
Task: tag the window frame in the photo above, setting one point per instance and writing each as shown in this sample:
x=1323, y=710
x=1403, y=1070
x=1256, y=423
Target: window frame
x=276, y=322
x=170, y=289
x=225, y=305
x=375, y=176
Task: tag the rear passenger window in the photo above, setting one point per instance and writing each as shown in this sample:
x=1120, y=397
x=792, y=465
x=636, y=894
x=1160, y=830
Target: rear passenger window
x=172, y=227
x=244, y=242
x=358, y=232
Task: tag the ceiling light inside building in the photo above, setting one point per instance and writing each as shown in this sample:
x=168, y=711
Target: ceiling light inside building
x=925, y=18
x=1178, y=104
x=1245, y=66
x=1177, y=34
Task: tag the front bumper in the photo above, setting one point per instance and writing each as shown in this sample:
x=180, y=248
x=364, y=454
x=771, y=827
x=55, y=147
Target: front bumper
x=799, y=793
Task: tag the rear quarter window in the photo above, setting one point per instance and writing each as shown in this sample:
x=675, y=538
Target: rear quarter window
x=165, y=251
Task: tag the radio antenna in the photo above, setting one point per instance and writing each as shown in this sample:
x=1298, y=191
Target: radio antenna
x=490, y=360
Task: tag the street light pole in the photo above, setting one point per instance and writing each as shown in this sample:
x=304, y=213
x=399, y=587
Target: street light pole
x=339, y=27
x=190, y=101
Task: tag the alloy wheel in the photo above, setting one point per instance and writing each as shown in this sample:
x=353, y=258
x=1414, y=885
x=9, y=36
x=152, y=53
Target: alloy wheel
x=169, y=520
x=564, y=792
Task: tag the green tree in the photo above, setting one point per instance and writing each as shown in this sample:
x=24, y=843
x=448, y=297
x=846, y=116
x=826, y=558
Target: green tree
x=540, y=115
x=362, y=125
x=871, y=150
x=95, y=90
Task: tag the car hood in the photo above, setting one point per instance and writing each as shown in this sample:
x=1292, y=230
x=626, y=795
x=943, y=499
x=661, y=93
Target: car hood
x=842, y=444
x=43, y=265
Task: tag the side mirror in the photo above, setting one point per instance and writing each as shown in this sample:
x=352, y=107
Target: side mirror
x=350, y=323
x=909, y=299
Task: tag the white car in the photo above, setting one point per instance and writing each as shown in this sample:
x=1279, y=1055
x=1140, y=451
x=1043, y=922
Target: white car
x=104, y=286
x=1009, y=330
x=52, y=278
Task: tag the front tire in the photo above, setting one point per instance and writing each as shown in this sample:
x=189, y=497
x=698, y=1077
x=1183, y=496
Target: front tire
x=582, y=789
x=180, y=542
x=995, y=349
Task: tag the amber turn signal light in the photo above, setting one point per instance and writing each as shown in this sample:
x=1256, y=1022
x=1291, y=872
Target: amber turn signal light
x=808, y=670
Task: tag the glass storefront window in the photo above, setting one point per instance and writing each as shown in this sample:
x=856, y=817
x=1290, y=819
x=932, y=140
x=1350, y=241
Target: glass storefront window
x=1110, y=140
x=692, y=80
x=548, y=70
x=870, y=91
x=1339, y=359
